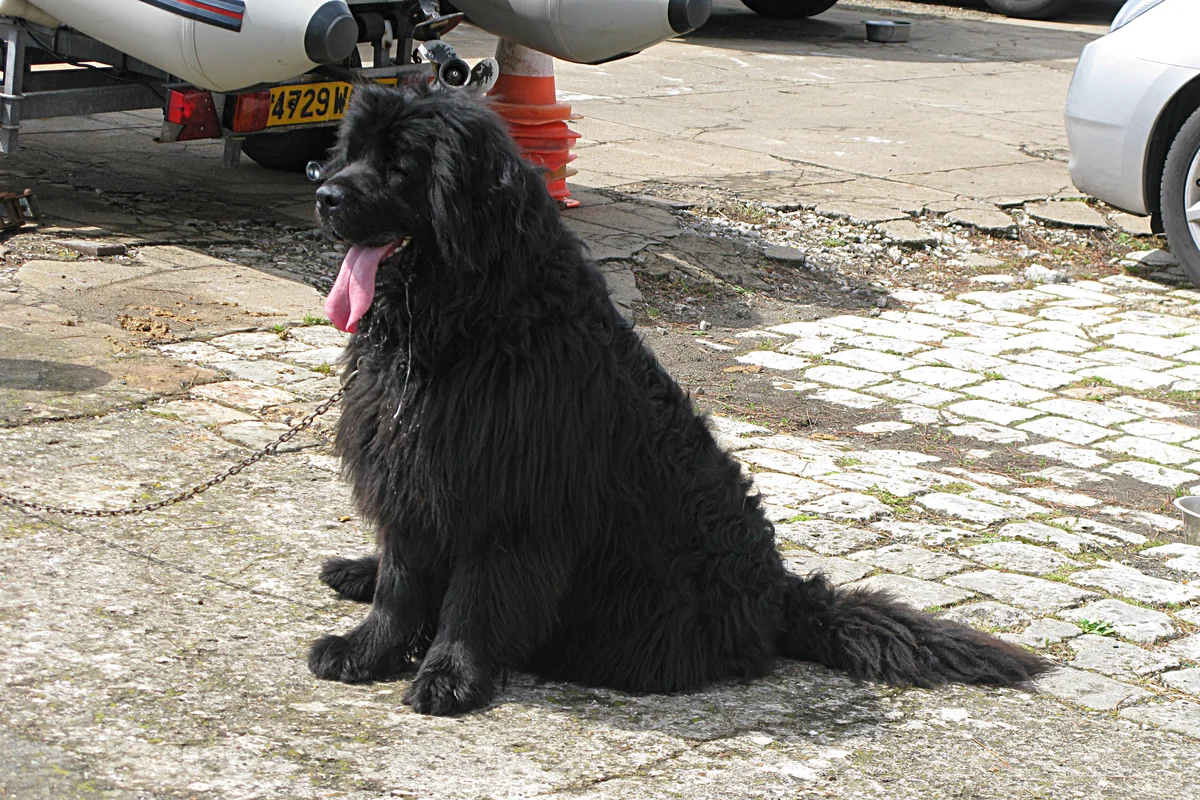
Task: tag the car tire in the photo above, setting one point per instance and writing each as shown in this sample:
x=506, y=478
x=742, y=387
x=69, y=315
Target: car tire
x=291, y=151
x=788, y=9
x=1181, y=191
x=1031, y=9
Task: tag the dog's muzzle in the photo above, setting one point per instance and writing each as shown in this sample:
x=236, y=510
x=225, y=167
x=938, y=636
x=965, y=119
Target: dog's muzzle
x=329, y=197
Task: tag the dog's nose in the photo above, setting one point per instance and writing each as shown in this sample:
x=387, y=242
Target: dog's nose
x=329, y=197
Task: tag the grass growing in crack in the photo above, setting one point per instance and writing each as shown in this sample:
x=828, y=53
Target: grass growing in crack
x=1051, y=519
x=954, y=488
x=1061, y=574
x=1097, y=627
x=1133, y=242
x=847, y=461
x=735, y=211
x=1058, y=651
x=992, y=375
x=324, y=369
x=1184, y=396
x=895, y=501
x=312, y=319
x=1092, y=380
x=833, y=241
x=802, y=518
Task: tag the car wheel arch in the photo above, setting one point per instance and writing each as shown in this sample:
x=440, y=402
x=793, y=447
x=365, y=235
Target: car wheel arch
x=1182, y=105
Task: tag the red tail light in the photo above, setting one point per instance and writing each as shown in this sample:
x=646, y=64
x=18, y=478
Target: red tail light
x=193, y=110
x=250, y=112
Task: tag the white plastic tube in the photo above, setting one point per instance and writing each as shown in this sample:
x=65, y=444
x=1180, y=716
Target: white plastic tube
x=587, y=31
x=26, y=10
x=224, y=44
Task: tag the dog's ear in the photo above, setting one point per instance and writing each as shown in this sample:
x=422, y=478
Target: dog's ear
x=373, y=108
x=487, y=204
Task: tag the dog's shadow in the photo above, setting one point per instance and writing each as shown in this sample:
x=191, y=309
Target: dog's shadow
x=797, y=702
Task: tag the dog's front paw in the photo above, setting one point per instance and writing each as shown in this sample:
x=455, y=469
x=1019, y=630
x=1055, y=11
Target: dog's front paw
x=445, y=688
x=335, y=658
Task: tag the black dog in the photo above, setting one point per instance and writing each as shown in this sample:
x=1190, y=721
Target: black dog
x=546, y=497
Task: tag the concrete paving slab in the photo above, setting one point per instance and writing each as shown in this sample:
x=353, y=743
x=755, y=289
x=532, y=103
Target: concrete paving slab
x=1067, y=214
x=786, y=189
x=55, y=366
x=1180, y=715
x=991, y=220
x=1010, y=184
x=1129, y=621
x=1033, y=594
x=1090, y=690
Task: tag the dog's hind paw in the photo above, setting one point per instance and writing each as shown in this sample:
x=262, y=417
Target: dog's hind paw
x=352, y=578
x=333, y=658
x=443, y=690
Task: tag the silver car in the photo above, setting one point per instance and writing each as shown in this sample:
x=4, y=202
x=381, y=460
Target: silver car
x=1133, y=120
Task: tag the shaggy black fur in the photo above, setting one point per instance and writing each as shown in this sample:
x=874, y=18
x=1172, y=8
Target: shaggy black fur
x=546, y=497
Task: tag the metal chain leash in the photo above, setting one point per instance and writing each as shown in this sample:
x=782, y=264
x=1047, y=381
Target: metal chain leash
x=187, y=494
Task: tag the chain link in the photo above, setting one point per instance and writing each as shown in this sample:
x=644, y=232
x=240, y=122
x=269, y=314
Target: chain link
x=187, y=494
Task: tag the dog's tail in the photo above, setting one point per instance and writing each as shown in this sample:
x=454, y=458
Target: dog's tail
x=875, y=638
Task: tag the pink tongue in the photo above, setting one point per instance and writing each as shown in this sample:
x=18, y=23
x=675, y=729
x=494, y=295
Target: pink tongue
x=354, y=288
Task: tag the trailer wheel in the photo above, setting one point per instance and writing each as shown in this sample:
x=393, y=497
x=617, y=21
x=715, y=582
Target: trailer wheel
x=1032, y=9
x=291, y=151
x=788, y=9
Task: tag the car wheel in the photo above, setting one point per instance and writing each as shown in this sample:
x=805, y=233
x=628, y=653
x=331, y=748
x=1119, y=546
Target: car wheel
x=291, y=151
x=1181, y=197
x=788, y=9
x=1032, y=9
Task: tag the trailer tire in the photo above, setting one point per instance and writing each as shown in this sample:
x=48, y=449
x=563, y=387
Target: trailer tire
x=1031, y=9
x=788, y=9
x=290, y=151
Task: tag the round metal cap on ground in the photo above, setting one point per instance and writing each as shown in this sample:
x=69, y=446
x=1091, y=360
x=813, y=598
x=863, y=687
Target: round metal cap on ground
x=331, y=35
x=887, y=31
x=1189, y=508
x=687, y=15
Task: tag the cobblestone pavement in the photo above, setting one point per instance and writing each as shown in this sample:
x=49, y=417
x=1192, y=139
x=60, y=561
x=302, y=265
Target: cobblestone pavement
x=1059, y=400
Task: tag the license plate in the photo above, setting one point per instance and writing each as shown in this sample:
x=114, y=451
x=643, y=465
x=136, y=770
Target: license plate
x=306, y=103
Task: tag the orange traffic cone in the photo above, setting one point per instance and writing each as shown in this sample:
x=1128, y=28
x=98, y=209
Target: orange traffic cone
x=524, y=96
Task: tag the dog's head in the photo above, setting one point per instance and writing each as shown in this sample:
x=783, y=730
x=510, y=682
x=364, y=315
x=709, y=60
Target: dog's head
x=425, y=182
